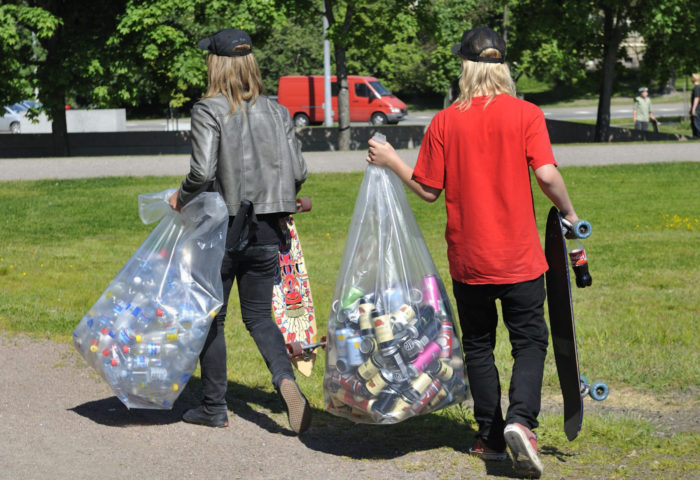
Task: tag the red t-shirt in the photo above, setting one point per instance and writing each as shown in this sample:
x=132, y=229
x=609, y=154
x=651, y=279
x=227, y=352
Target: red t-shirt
x=480, y=157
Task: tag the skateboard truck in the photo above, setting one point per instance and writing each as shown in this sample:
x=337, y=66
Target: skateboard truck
x=304, y=350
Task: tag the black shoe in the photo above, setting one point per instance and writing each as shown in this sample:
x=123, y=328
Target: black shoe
x=298, y=410
x=199, y=417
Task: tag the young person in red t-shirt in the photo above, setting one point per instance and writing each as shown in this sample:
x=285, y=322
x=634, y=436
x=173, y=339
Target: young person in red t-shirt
x=479, y=151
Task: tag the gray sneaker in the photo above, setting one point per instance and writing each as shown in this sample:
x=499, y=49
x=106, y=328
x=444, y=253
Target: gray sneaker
x=523, y=447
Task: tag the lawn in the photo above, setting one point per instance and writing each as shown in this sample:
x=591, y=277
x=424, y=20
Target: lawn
x=62, y=241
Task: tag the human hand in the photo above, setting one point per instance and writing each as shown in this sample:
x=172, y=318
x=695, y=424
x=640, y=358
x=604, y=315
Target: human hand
x=172, y=201
x=381, y=154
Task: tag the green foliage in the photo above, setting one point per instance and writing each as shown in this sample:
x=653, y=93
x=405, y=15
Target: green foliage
x=20, y=26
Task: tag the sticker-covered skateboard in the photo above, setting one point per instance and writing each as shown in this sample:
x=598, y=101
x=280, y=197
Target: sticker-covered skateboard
x=561, y=317
x=292, y=304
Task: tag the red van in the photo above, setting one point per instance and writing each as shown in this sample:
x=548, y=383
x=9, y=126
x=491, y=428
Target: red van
x=369, y=100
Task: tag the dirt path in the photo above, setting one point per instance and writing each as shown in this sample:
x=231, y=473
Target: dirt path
x=58, y=420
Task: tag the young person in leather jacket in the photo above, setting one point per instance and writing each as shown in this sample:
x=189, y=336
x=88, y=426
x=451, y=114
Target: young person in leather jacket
x=244, y=147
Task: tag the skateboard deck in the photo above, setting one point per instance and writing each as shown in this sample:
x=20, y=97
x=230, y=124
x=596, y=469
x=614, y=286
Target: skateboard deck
x=561, y=321
x=292, y=304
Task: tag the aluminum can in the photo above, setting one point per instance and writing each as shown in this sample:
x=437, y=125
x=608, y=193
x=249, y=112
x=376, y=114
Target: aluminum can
x=400, y=409
x=355, y=401
x=412, y=347
x=429, y=354
x=368, y=345
x=365, y=319
x=383, y=331
x=354, y=356
x=375, y=384
x=443, y=371
x=431, y=292
x=369, y=369
x=430, y=393
x=444, y=339
x=403, y=317
x=341, y=341
x=347, y=382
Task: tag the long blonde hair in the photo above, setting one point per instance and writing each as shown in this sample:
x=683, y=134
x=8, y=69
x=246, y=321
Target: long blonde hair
x=236, y=78
x=695, y=77
x=480, y=78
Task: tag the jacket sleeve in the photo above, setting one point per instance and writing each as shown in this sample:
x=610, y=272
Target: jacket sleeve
x=205, y=152
x=298, y=162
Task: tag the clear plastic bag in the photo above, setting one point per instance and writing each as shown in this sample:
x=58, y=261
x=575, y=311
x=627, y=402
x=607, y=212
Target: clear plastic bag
x=392, y=352
x=145, y=332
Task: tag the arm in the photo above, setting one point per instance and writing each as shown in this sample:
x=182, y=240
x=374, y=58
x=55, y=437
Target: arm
x=205, y=153
x=552, y=184
x=694, y=107
x=384, y=155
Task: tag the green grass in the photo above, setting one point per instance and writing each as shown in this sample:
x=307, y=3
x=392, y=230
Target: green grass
x=62, y=241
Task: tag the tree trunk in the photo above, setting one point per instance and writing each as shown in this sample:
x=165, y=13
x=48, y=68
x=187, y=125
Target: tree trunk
x=613, y=31
x=53, y=88
x=59, y=131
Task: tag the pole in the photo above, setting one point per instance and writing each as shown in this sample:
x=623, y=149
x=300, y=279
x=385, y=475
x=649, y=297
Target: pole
x=327, y=106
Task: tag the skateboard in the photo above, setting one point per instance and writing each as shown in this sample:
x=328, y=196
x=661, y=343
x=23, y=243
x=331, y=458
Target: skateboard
x=574, y=387
x=292, y=304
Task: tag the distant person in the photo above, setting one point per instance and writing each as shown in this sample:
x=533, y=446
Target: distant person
x=694, y=106
x=642, y=110
x=479, y=150
x=245, y=148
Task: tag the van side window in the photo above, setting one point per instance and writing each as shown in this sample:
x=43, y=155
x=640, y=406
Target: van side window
x=362, y=90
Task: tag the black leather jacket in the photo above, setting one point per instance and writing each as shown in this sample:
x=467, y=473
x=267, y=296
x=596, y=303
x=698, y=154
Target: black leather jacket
x=252, y=154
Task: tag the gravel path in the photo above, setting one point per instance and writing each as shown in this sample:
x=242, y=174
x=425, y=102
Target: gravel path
x=60, y=420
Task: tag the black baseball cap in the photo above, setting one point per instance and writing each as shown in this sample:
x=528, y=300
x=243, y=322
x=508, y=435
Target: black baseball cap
x=224, y=41
x=477, y=40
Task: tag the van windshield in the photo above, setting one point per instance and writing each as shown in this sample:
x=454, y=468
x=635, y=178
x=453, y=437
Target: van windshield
x=380, y=89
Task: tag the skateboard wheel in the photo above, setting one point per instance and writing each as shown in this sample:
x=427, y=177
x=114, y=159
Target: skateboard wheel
x=582, y=229
x=294, y=349
x=303, y=204
x=599, y=391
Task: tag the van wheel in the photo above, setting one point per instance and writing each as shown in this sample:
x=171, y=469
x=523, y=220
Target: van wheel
x=14, y=127
x=301, y=120
x=378, y=118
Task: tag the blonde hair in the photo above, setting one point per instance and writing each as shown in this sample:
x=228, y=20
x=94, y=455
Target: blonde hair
x=695, y=77
x=236, y=78
x=480, y=78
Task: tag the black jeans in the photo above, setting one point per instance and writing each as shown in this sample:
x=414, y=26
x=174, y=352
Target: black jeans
x=523, y=315
x=255, y=269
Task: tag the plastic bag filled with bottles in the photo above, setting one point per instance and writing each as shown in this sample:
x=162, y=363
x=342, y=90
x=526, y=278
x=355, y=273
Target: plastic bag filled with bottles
x=392, y=352
x=145, y=332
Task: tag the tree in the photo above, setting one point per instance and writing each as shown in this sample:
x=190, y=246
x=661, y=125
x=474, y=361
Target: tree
x=556, y=40
x=21, y=27
x=671, y=35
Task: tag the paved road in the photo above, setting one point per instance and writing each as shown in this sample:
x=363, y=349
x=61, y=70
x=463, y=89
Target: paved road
x=347, y=161
x=424, y=117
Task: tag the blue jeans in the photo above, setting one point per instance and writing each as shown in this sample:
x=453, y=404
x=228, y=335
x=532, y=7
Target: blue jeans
x=523, y=314
x=255, y=269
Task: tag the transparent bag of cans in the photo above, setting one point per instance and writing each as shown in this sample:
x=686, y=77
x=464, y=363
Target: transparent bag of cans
x=392, y=350
x=145, y=332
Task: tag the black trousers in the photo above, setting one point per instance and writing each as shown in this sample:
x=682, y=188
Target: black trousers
x=523, y=314
x=254, y=269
